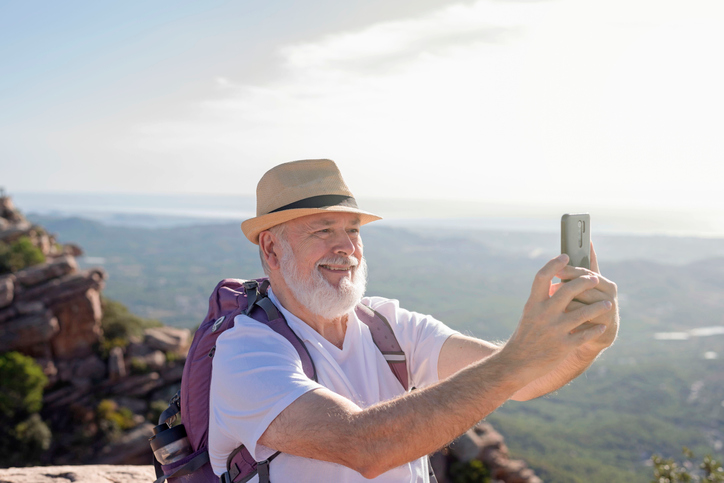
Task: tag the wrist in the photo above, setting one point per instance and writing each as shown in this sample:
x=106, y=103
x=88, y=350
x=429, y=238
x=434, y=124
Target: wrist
x=520, y=369
x=589, y=352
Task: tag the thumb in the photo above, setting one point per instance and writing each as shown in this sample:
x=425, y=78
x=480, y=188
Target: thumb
x=594, y=260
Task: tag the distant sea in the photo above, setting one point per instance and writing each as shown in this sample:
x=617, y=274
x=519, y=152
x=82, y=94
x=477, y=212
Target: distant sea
x=157, y=211
x=168, y=210
x=140, y=210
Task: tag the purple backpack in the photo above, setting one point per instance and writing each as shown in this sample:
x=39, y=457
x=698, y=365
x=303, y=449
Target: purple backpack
x=230, y=298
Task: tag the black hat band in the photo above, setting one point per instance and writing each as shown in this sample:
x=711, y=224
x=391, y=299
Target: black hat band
x=321, y=201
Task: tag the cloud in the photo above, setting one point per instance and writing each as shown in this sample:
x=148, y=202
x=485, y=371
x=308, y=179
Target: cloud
x=394, y=79
x=436, y=33
x=575, y=101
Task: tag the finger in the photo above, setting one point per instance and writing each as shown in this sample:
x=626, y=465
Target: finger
x=608, y=287
x=570, y=272
x=594, y=260
x=543, y=279
x=586, y=334
x=584, y=326
x=575, y=305
x=604, y=285
x=570, y=290
x=586, y=313
x=592, y=296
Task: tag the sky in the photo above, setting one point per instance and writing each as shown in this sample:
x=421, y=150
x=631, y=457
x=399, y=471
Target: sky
x=567, y=103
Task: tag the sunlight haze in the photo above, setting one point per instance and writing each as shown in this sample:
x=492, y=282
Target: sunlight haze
x=585, y=104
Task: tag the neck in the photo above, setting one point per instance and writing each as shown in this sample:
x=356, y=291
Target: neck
x=333, y=330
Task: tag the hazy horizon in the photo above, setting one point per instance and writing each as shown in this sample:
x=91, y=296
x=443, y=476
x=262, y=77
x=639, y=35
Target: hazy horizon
x=120, y=208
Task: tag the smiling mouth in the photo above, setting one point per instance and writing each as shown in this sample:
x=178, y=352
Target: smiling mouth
x=337, y=269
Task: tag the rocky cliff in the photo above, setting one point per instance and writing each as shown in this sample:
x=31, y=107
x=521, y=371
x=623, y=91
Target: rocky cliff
x=99, y=398
x=102, y=399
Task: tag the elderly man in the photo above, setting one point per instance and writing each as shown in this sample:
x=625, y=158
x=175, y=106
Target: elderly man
x=358, y=422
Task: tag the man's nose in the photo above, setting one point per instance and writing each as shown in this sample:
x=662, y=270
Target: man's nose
x=344, y=245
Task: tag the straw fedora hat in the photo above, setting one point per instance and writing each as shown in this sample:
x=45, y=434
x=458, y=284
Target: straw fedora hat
x=300, y=188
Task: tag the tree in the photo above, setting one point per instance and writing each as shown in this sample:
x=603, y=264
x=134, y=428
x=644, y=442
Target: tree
x=23, y=434
x=18, y=255
x=22, y=382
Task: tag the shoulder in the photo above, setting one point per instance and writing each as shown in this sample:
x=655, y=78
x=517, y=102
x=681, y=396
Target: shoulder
x=246, y=328
x=248, y=342
x=390, y=309
x=406, y=320
x=377, y=303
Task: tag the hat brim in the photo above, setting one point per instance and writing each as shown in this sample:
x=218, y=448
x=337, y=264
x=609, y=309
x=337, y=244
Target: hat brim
x=253, y=226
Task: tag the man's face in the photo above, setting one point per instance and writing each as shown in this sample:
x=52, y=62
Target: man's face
x=327, y=243
x=322, y=263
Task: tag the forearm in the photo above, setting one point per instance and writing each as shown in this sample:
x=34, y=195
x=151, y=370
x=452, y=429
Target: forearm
x=323, y=425
x=428, y=419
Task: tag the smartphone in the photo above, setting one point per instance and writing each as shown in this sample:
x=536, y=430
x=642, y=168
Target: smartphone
x=576, y=239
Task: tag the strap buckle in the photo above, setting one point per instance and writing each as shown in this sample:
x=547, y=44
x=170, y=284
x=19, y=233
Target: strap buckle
x=175, y=400
x=262, y=469
x=251, y=290
x=250, y=284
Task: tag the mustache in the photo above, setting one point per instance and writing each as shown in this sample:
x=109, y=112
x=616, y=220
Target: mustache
x=338, y=260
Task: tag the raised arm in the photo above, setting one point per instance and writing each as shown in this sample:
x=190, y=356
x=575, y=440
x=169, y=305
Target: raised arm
x=460, y=351
x=323, y=425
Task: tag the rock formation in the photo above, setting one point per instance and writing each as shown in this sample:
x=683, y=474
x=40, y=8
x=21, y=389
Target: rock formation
x=52, y=312
x=485, y=444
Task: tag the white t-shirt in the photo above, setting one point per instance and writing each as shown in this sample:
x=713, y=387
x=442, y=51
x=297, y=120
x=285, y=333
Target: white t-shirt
x=257, y=373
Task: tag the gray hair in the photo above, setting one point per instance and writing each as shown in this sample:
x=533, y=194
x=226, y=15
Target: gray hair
x=279, y=232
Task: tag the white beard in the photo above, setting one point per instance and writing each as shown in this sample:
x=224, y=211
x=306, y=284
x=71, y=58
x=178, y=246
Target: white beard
x=315, y=293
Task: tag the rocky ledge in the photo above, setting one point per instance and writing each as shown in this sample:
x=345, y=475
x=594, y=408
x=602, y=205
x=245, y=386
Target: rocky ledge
x=78, y=474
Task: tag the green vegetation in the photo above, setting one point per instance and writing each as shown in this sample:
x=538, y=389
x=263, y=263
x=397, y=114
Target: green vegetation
x=138, y=366
x=22, y=381
x=113, y=420
x=669, y=471
x=23, y=434
x=18, y=255
x=119, y=324
x=32, y=437
x=155, y=409
x=472, y=471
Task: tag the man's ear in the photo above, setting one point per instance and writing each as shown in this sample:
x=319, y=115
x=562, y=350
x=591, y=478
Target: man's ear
x=269, y=249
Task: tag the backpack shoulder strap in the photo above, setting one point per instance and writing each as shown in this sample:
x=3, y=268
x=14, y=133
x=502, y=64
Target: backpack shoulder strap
x=263, y=310
x=386, y=342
